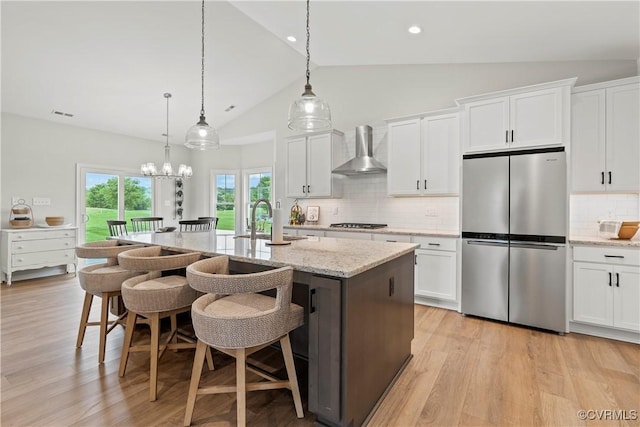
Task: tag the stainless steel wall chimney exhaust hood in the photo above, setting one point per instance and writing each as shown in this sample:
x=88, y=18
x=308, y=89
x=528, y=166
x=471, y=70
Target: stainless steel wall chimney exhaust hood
x=363, y=163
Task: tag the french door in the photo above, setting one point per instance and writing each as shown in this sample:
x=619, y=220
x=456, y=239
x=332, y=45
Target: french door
x=110, y=194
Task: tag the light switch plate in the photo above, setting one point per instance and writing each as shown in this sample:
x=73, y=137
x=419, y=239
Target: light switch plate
x=41, y=201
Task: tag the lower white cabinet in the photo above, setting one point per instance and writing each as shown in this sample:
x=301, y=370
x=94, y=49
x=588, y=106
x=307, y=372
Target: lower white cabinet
x=606, y=287
x=348, y=235
x=32, y=248
x=436, y=271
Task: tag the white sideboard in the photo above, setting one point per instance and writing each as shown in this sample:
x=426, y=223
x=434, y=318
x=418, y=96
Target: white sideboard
x=32, y=248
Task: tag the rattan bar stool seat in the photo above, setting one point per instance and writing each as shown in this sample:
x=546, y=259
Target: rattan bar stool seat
x=237, y=320
x=154, y=297
x=103, y=280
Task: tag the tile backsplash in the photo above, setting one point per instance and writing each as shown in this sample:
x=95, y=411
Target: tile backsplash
x=587, y=209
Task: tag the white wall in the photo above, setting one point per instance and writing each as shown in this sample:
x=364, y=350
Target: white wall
x=39, y=160
x=370, y=94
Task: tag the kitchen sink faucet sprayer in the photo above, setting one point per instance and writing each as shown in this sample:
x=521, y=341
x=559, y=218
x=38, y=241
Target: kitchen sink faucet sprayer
x=253, y=215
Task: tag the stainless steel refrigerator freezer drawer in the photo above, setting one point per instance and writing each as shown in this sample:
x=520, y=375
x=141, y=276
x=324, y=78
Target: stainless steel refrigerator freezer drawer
x=485, y=278
x=537, y=285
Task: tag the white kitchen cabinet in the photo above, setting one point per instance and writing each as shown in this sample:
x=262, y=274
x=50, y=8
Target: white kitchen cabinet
x=424, y=155
x=606, y=287
x=348, y=235
x=526, y=117
x=436, y=271
x=297, y=231
x=310, y=160
x=605, y=133
x=33, y=248
x=386, y=237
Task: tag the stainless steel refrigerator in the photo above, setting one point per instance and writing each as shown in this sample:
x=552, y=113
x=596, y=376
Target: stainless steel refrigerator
x=514, y=220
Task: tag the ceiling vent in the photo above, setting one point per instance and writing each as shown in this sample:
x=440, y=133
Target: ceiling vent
x=61, y=113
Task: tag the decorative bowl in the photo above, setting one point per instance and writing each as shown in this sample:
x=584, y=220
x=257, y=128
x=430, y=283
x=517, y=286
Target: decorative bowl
x=21, y=223
x=54, y=220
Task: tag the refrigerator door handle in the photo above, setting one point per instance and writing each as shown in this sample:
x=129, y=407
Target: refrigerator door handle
x=528, y=245
x=488, y=243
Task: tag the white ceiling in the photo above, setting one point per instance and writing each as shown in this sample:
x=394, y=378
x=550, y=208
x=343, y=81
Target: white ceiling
x=110, y=62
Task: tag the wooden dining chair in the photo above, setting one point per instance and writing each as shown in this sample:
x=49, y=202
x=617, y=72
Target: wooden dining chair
x=117, y=228
x=151, y=223
x=213, y=219
x=195, y=225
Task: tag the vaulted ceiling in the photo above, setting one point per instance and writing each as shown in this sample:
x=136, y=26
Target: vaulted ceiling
x=109, y=62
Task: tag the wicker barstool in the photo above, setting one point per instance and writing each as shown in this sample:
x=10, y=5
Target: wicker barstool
x=155, y=297
x=102, y=280
x=236, y=320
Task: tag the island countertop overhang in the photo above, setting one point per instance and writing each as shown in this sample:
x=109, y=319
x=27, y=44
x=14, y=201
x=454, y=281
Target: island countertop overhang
x=335, y=257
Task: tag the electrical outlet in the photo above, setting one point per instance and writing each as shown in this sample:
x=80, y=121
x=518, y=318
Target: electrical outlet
x=41, y=201
x=431, y=212
x=335, y=210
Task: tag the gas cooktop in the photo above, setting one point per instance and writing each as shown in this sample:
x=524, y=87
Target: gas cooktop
x=357, y=225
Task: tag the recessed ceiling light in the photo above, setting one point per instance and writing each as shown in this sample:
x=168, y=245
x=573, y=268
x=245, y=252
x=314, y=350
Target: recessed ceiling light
x=414, y=29
x=291, y=39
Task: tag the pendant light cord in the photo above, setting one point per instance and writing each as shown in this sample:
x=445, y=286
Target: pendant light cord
x=308, y=35
x=167, y=95
x=202, y=69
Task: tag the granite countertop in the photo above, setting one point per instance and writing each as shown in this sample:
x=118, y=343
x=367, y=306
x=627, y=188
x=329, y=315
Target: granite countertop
x=321, y=255
x=384, y=230
x=601, y=241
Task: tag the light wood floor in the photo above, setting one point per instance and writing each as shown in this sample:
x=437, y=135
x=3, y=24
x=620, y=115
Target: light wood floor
x=465, y=371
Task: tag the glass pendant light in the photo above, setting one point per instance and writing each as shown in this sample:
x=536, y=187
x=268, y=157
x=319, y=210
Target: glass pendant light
x=309, y=113
x=149, y=169
x=201, y=136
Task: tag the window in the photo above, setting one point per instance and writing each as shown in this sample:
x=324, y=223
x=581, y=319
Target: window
x=225, y=200
x=108, y=194
x=259, y=187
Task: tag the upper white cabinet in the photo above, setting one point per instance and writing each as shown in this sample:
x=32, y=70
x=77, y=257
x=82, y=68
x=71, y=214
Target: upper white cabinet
x=310, y=160
x=530, y=116
x=424, y=154
x=605, y=134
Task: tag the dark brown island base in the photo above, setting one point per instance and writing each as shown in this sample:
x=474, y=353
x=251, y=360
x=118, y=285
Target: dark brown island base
x=358, y=302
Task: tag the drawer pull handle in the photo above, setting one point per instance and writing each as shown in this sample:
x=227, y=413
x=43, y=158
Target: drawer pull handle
x=391, y=240
x=434, y=244
x=19, y=247
x=614, y=256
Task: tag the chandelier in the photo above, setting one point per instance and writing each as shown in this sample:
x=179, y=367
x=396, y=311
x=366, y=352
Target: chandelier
x=309, y=113
x=201, y=136
x=149, y=169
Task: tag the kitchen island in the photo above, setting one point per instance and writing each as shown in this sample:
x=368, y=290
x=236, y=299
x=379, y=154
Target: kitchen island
x=358, y=302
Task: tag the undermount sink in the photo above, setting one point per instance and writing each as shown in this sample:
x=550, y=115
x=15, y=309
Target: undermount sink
x=264, y=236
